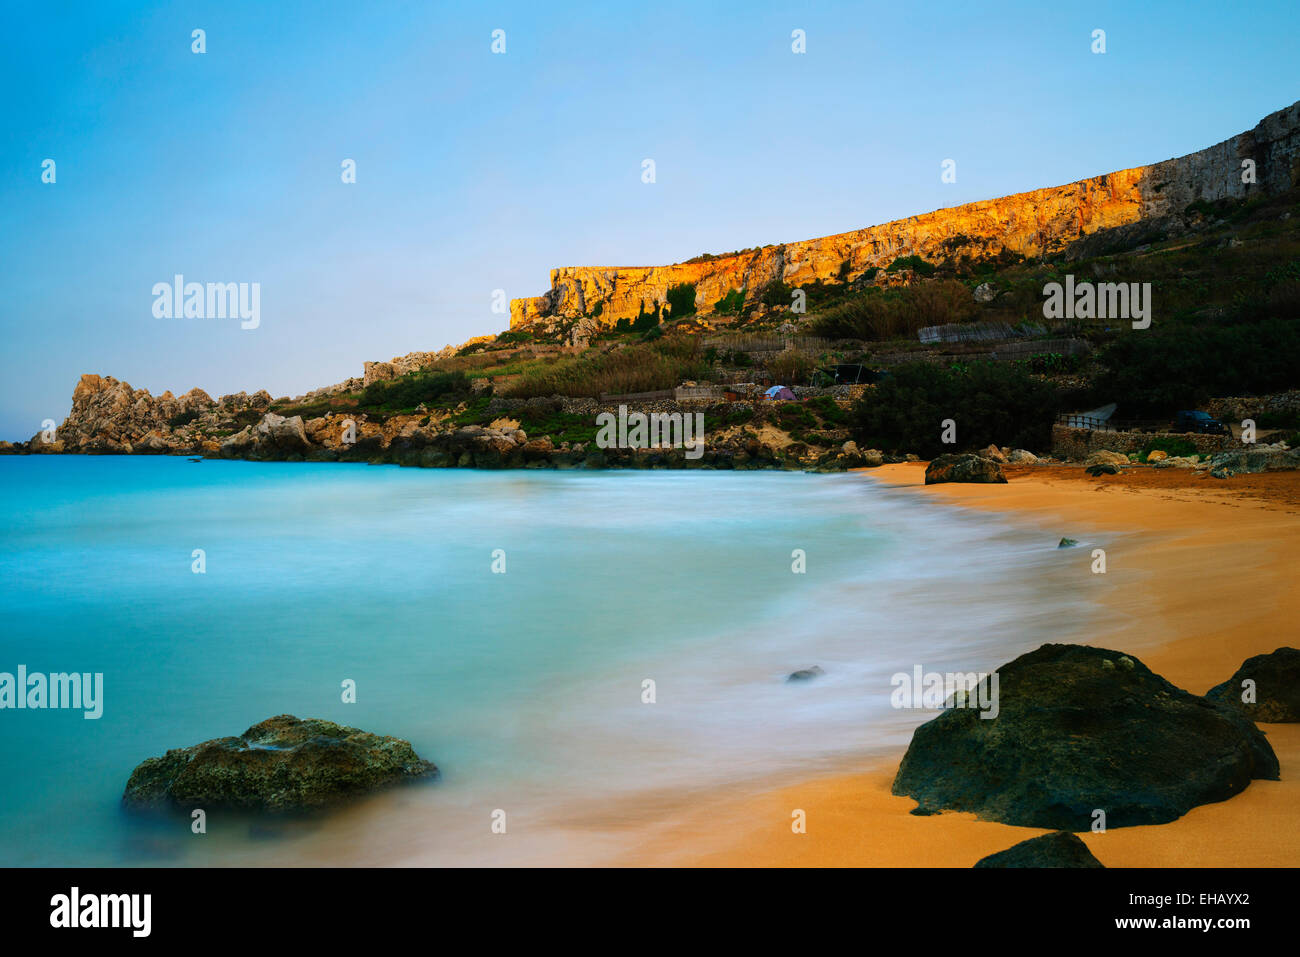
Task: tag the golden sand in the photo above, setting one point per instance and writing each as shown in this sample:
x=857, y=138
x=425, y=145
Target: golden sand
x=1202, y=578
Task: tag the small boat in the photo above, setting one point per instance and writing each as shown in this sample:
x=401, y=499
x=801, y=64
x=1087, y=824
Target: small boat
x=196, y=459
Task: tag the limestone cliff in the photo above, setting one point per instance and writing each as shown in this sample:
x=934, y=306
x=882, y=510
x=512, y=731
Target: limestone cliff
x=1040, y=221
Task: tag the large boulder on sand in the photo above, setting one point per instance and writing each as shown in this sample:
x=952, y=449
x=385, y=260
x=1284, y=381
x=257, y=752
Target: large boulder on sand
x=282, y=764
x=1059, y=849
x=1275, y=690
x=1080, y=729
x=966, y=467
x=1106, y=457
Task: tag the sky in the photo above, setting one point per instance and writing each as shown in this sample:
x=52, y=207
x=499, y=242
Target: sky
x=479, y=171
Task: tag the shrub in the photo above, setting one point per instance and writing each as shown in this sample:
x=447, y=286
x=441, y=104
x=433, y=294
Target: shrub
x=1162, y=370
x=776, y=293
x=514, y=336
x=731, y=303
x=1169, y=445
x=790, y=368
x=413, y=389
x=990, y=403
x=643, y=367
x=915, y=263
x=830, y=411
x=897, y=312
x=795, y=417
x=681, y=300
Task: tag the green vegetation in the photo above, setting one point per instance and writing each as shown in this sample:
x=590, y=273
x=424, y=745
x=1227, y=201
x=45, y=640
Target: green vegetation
x=730, y=304
x=681, y=300
x=828, y=410
x=560, y=426
x=991, y=403
x=776, y=293
x=514, y=337
x=641, y=367
x=790, y=368
x=890, y=314
x=404, y=394
x=1172, y=446
x=913, y=263
x=1278, y=419
x=1164, y=369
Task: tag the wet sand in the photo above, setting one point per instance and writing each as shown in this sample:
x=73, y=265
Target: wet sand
x=1201, y=575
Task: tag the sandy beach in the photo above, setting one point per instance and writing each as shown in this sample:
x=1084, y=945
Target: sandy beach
x=1200, y=574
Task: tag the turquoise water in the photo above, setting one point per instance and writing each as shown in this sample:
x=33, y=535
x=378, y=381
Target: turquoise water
x=524, y=687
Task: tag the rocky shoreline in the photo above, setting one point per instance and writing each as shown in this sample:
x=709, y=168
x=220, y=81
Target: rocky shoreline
x=108, y=417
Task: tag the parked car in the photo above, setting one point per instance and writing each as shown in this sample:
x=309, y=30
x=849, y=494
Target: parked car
x=1196, y=421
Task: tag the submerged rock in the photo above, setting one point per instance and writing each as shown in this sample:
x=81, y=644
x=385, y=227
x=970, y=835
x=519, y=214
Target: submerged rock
x=966, y=467
x=1081, y=729
x=805, y=674
x=1276, y=689
x=284, y=763
x=1061, y=849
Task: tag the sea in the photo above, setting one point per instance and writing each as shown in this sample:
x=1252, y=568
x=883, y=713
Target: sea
x=583, y=654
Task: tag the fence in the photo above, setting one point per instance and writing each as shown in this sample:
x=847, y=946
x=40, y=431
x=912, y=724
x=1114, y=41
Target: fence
x=639, y=396
x=754, y=342
x=696, y=392
x=978, y=331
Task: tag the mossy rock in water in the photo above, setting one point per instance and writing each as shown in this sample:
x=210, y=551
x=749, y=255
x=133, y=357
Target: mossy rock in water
x=1059, y=849
x=282, y=764
x=1081, y=729
x=1275, y=689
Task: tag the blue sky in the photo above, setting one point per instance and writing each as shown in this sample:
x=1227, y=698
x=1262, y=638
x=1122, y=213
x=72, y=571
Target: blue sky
x=478, y=172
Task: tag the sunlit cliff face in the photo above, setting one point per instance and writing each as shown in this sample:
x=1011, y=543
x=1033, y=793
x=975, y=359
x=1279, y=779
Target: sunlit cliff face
x=1042, y=221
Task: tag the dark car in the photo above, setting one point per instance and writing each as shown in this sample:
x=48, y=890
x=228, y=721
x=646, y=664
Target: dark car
x=1196, y=421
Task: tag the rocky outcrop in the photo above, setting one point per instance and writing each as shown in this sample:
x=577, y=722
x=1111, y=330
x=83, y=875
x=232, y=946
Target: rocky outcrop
x=110, y=416
x=966, y=467
x=282, y=764
x=1081, y=218
x=1080, y=730
x=273, y=437
x=1228, y=464
x=1273, y=695
x=1060, y=849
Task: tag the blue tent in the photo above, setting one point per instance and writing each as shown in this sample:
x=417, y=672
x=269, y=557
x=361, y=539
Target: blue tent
x=779, y=392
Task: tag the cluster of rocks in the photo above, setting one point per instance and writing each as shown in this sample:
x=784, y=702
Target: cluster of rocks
x=1222, y=465
x=1268, y=458
x=984, y=466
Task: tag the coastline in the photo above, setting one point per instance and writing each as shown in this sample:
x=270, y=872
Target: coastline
x=1199, y=582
